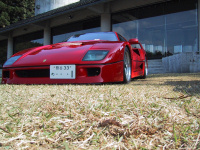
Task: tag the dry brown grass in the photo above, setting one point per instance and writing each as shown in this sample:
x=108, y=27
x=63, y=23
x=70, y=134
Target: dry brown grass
x=160, y=112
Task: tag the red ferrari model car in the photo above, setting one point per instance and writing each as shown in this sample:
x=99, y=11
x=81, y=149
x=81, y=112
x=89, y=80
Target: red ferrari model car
x=100, y=57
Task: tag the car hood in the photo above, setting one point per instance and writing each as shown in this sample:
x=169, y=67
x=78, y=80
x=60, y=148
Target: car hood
x=60, y=53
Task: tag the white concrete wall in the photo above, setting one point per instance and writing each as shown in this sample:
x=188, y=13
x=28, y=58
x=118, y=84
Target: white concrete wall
x=42, y=6
x=182, y=63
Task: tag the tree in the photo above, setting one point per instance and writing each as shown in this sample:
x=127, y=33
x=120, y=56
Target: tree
x=12, y=11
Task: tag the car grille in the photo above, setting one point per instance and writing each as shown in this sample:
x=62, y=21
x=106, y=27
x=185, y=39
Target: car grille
x=37, y=73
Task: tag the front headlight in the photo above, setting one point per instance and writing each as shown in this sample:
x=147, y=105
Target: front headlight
x=11, y=60
x=95, y=55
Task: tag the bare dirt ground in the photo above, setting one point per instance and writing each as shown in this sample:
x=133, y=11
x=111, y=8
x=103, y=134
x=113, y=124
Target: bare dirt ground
x=160, y=112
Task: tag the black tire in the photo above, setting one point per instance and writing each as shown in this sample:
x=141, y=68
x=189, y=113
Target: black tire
x=127, y=66
x=145, y=70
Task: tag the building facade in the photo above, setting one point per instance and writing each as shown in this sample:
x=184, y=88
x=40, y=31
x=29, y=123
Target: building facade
x=169, y=30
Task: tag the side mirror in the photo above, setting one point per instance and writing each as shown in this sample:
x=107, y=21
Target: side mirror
x=133, y=41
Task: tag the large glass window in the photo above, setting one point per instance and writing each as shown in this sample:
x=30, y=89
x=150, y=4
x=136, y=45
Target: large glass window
x=3, y=52
x=163, y=29
x=61, y=33
x=152, y=36
x=28, y=41
x=181, y=26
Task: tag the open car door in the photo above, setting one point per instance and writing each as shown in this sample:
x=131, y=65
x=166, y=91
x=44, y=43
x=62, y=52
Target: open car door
x=138, y=59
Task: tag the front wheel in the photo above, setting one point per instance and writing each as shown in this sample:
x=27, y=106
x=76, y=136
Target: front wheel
x=127, y=66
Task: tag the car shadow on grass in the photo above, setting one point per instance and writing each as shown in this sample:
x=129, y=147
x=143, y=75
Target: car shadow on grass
x=188, y=87
x=183, y=85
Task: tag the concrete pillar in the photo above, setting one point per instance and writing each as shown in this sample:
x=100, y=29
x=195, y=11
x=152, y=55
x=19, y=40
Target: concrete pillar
x=106, y=18
x=47, y=35
x=199, y=22
x=105, y=22
x=10, y=46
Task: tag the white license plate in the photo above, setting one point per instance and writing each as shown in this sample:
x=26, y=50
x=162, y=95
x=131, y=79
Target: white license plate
x=62, y=71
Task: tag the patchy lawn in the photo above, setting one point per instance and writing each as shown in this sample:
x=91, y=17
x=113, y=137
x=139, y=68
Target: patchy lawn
x=160, y=112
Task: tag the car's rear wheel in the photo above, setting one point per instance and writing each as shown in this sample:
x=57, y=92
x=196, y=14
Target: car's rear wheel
x=127, y=66
x=145, y=69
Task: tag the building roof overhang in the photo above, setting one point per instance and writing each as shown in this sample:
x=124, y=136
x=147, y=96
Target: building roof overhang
x=50, y=14
x=39, y=22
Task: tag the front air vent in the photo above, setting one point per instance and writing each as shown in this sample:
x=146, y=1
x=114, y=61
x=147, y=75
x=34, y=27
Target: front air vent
x=6, y=74
x=93, y=71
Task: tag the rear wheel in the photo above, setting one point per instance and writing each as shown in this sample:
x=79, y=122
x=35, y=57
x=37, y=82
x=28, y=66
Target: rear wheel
x=145, y=69
x=127, y=66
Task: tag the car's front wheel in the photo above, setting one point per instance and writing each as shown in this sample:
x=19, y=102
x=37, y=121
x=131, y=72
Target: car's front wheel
x=127, y=66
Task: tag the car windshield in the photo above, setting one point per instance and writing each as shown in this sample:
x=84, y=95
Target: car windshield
x=108, y=36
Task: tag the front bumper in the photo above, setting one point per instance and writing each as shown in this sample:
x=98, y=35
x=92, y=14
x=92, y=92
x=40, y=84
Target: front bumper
x=85, y=74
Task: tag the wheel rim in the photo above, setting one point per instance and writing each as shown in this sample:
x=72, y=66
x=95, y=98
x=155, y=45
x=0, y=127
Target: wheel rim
x=127, y=66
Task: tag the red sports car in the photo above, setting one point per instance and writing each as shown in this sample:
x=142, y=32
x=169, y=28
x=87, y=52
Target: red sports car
x=100, y=57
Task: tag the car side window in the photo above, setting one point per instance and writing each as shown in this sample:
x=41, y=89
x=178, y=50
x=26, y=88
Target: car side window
x=121, y=38
x=136, y=46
